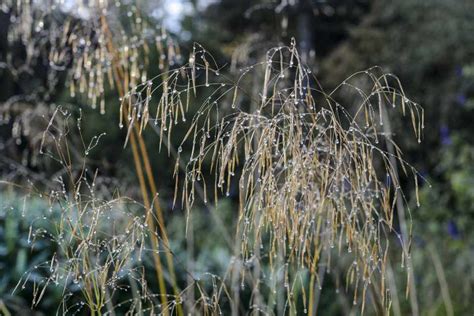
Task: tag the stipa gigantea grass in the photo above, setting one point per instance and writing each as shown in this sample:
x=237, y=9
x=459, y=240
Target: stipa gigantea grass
x=309, y=170
x=104, y=42
x=78, y=42
x=98, y=241
x=103, y=262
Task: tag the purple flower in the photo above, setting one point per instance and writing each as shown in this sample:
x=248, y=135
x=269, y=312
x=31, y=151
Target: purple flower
x=453, y=230
x=444, y=135
x=459, y=71
x=461, y=99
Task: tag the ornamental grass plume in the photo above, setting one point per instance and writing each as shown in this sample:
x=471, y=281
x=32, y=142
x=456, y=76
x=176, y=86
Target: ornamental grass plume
x=309, y=170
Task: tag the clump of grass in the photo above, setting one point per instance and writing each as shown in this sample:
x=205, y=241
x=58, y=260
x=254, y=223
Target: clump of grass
x=314, y=181
x=99, y=243
x=103, y=260
x=103, y=45
x=308, y=168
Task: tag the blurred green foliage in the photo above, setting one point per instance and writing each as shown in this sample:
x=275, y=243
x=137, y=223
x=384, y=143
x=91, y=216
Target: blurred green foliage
x=19, y=256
